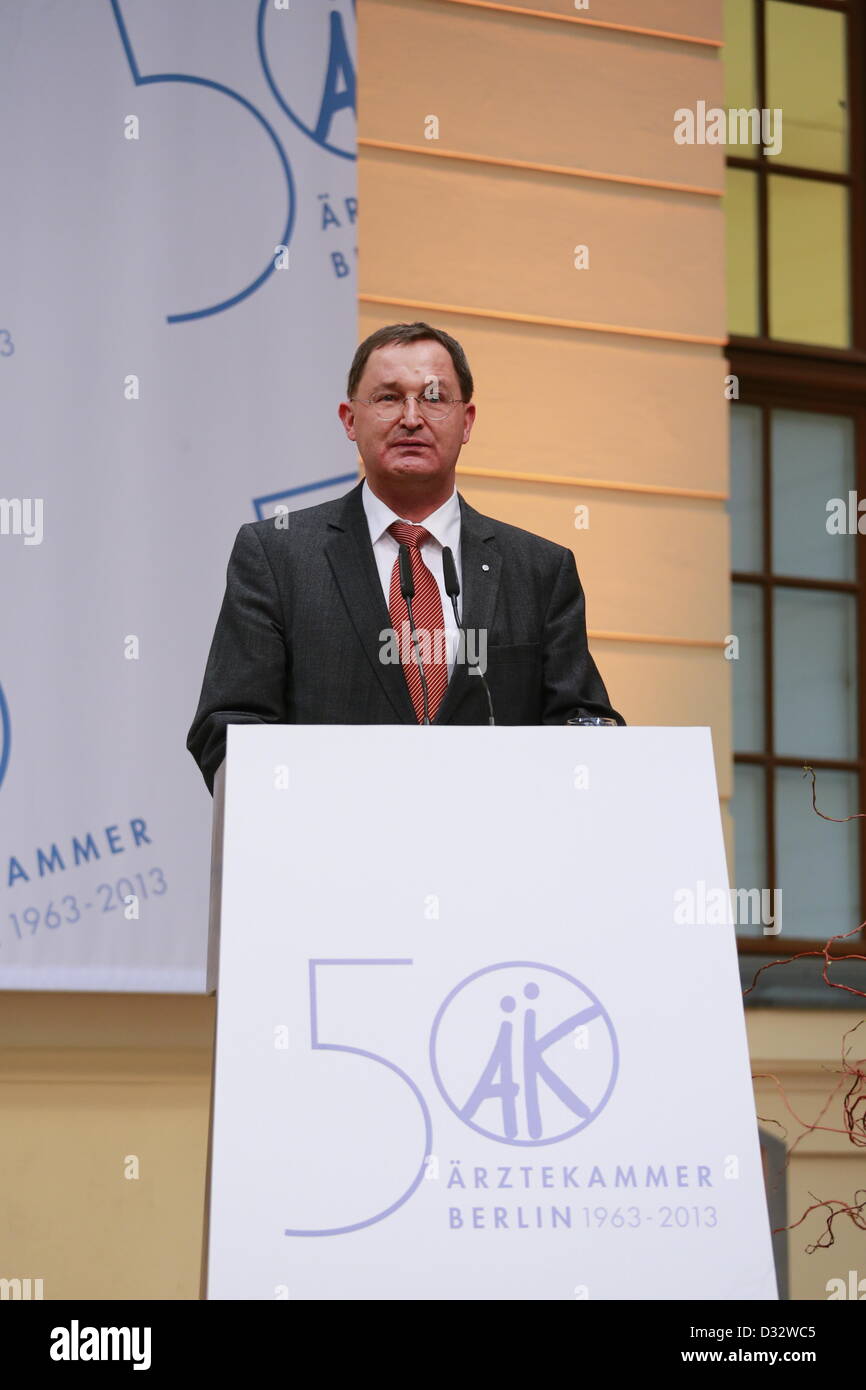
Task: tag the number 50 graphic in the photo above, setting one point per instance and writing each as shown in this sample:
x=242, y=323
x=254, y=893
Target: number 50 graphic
x=523, y=1074
x=374, y=1058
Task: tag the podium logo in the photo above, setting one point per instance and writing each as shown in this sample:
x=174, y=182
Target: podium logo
x=524, y=1053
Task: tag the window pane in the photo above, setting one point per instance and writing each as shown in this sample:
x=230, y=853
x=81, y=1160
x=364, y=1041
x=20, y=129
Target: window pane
x=748, y=619
x=741, y=233
x=809, y=275
x=745, y=507
x=806, y=78
x=815, y=680
x=811, y=463
x=817, y=859
x=749, y=809
x=741, y=86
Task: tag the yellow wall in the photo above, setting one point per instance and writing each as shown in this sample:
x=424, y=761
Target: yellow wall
x=88, y=1081
x=599, y=387
x=554, y=134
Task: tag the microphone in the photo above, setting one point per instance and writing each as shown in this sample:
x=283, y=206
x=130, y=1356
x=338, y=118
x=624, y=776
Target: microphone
x=407, y=589
x=452, y=589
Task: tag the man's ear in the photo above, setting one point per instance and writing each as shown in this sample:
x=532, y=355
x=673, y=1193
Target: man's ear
x=468, y=421
x=347, y=415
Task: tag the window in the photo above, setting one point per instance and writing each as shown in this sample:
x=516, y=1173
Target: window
x=796, y=682
x=795, y=178
x=796, y=242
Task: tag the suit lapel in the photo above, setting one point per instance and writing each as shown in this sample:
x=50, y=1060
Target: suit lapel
x=350, y=555
x=480, y=564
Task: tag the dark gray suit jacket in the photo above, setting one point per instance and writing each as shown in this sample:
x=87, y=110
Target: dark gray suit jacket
x=297, y=640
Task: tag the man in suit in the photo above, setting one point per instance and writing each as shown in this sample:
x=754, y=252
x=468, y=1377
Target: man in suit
x=314, y=625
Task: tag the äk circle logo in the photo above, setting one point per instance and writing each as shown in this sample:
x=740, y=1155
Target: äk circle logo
x=524, y=1053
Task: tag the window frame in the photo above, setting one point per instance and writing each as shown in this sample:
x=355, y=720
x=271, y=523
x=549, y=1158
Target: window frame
x=779, y=374
x=762, y=166
x=767, y=579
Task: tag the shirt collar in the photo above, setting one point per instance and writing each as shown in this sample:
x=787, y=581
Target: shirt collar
x=440, y=523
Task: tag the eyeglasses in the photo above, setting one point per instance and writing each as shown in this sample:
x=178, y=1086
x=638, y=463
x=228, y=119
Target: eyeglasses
x=389, y=405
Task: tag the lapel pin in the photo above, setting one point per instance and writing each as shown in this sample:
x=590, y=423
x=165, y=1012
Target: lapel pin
x=485, y=567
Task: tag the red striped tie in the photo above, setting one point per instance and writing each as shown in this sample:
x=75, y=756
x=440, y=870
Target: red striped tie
x=429, y=624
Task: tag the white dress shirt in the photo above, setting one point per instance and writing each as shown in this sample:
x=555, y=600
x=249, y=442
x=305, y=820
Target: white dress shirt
x=444, y=528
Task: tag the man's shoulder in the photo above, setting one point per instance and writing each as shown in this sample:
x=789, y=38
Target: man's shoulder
x=312, y=525
x=515, y=539
x=304, y=523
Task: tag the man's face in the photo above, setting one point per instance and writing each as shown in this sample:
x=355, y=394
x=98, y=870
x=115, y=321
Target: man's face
x=411, y=452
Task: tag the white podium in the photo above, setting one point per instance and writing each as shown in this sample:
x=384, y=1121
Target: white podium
x=464, y=1048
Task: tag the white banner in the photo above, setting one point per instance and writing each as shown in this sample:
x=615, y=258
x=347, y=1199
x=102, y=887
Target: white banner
x=487, y=1059
x=177, y=316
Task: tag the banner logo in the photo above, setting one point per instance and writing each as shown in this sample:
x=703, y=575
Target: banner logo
x=5, y=735
x=326, y=88
x=323, y=88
